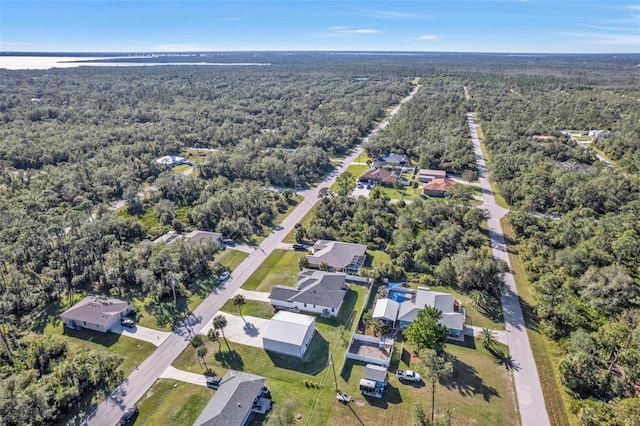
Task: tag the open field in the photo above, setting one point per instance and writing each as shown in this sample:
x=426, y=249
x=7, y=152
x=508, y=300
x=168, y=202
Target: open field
x=171, y=402
x=280, y=267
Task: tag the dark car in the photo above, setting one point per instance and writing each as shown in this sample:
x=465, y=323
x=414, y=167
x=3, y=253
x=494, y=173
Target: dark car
x=128, y=415
x=128, y=322
x=299, y=247
x=213, y=382
x=297, y=225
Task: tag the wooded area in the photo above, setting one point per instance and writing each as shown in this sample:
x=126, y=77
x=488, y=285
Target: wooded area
x=73, y=141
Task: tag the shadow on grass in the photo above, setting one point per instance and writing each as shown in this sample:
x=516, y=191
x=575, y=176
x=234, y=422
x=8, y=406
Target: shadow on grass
x=99, y=338
x=346, y=315
x=504, y=359
x=51, y=315
x=466, y=380
x=469, y=342
x=230, y=359
x=492, y=309
x=315, y=359
x=391, y=395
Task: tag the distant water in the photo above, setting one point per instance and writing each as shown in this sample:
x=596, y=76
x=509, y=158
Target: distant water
x=48, y=62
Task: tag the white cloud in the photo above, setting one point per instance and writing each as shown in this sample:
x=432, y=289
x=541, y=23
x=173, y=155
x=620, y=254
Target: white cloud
x=179, y=47
x=427, y=37
x=348, y=30
x=392, y=15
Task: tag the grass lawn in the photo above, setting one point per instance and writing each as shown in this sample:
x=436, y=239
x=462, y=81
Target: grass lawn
x=408, y=193
x=230, y=258
x=181, y=168
x=481, y=392
x=308, y=381
x=377, y=258
x=280, y=267
x=355, y=170
x=131, y=350
x=252, y=308
x=171, y=402
x=305, y=221
x=546, y=352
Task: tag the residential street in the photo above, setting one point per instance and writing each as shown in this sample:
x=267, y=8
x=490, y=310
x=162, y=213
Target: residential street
x=138, y=382
x=528, y=389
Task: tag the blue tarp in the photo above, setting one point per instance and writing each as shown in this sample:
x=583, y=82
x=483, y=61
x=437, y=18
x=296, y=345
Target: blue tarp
x=397, y=296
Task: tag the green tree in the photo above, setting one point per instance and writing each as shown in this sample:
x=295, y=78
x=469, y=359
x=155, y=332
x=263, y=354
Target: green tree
x=201, y=352
x=345, y=183
x=435, y=368
x=303, y=262
x=300, y=234
x=488, y=338
x=425, y=332
x=214, y=336
x=219, y=323
x=239, y=301
x=420, y=416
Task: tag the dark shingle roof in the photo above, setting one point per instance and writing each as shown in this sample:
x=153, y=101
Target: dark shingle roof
x=232, y=401
x=314, y=287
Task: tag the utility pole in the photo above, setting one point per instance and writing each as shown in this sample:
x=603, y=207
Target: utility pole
x=335, y=378
x=173, y=288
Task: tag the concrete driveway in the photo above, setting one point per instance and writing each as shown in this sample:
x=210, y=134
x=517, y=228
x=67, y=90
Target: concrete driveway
x=142, y=333
x=247, y=332
x=500, y=335
x=184, y=376
x=260, y=296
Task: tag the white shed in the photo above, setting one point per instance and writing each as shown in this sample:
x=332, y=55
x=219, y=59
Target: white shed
x=289, y=333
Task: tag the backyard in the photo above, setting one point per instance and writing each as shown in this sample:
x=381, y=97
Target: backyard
x=171, y=402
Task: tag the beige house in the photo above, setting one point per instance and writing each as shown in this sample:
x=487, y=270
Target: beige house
x=338, y=256
x=97, y=313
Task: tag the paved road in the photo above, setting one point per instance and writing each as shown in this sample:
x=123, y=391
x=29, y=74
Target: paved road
x=528, y=389
x=138, y=382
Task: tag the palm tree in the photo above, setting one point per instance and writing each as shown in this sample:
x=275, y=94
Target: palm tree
x=378, y=327
x=201, y=352
x=214, y=336
x=488, y=338
x=479, y=298
x=219, y=323
x=239, y=300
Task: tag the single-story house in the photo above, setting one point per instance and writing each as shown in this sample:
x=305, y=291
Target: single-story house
x=318, y=292
x=237, y=398
x=390, y=160
x=338, y=256
x=97, y=313
x=167, y=238
x=379, y=176
x=402, y=313
x=437, y=187
x=172, y=160
x=427, y=175
x=374, y=381
x=289, y=333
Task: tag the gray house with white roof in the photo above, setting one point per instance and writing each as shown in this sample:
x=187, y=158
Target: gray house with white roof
x=317, y=292
x=239, y=395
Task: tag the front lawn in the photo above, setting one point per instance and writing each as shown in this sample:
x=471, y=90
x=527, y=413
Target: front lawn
x=355, y=170
x=230, y=258
x=171, y=402
x=252, y=308
x=280, y=267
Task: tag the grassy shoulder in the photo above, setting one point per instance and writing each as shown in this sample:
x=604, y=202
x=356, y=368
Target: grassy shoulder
x=251, y=308
x=280, y=267
x=305, y=221
x=171, y=402
x=499, y=199
x=545, y=351
x=230, y=258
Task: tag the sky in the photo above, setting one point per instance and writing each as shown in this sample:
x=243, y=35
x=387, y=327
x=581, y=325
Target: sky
x=527, y=26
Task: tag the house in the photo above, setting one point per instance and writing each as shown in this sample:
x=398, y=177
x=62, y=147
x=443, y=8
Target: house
x=318, y=292
x=97, y=313
x=379, y=176
x=437, y=187
x=402, y=305
x=427, y=175
x=289, y=333
x=599, y=133
x=338, y=256
x=167, y=238
x=390, y=160
x=172, y=160
x=374, y=381
x=198, y=237
x=237, y=398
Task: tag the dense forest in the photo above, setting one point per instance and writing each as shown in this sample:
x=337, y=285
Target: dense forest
x=578, y=226
x=73, y=141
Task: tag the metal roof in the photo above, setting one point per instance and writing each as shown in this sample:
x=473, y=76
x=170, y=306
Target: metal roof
x=289, y=327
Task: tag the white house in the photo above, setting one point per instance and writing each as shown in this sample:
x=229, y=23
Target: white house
x=289, y=333
x=402, y=314
x=317, y=292
x=97, y=313
x=172, y=160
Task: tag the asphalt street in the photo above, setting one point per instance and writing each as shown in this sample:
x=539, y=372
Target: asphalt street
x=533, y=411
x=138, y=382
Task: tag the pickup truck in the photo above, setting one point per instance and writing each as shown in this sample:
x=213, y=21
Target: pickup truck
x=408, y=375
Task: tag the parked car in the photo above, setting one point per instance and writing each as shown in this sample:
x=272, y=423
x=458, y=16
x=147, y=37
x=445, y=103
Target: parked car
x=127, y=322
x=408, y=375
x=343, y=397
x=213, y=382
x=229, y=242
x=297, y=225
x=128, y=415
x=224, y=276
x=360, y=186
x=299, y=247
